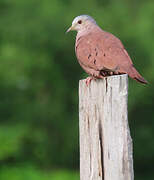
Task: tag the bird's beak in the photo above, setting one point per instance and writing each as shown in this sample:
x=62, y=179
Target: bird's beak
x=70, y=29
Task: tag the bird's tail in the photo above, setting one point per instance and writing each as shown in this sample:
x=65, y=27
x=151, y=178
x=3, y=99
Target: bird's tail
x=136, y=76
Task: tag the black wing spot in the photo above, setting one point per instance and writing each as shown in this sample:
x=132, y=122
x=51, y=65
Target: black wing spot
x=94, y=61
x=89, y=56
x=96, y=52
x=104, y=54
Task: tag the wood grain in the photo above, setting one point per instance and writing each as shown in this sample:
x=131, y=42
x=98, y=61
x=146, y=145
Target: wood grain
x=105, y=141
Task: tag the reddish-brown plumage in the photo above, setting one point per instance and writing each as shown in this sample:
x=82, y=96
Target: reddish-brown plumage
x=101, y=53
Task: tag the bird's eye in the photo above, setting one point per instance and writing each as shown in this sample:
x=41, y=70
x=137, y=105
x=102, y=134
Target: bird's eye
x=79, y=22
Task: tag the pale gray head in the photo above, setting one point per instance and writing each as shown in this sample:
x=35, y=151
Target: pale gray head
x=82, y=22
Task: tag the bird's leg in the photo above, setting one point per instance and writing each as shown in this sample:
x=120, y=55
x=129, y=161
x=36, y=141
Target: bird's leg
x=101, y=77
x=88, y=80
x=106, y=73
x=95, y=75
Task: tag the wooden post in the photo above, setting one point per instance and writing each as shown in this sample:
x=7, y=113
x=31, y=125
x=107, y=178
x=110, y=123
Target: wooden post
x=105, y=141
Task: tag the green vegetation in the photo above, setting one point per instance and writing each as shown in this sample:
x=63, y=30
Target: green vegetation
x=31, y=173
x=39, y=77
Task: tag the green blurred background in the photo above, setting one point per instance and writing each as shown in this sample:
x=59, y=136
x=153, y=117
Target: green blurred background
x=39, y=77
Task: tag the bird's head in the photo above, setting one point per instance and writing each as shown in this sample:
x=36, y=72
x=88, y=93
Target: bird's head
x=81, y=22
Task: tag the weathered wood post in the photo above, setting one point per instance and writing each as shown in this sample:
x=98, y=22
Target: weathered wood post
x=105, y=141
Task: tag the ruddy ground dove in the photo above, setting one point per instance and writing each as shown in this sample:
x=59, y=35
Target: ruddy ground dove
x=100, y=53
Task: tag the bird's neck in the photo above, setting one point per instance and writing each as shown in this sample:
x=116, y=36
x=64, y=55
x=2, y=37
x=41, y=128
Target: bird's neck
x=87, y=30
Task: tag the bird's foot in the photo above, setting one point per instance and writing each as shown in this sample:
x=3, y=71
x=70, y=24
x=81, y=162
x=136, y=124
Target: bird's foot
x=89, y=79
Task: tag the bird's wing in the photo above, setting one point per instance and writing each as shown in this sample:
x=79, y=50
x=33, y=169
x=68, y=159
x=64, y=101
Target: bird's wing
x=102, y=51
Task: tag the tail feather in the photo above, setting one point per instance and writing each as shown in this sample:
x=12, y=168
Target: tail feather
x=136, y=76
x=141, y=80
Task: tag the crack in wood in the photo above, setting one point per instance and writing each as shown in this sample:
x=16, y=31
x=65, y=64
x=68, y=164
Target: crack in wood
x=102, y=153
x=111, y=101
x=90, y=156
x=106, y=84
x=90, y=163
x=88, y=122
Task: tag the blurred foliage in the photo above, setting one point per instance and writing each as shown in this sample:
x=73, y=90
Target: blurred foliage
x=31, y=173
x=39, y=84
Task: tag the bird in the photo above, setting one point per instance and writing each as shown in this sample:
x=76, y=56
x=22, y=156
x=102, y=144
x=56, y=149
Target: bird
x=101, y=53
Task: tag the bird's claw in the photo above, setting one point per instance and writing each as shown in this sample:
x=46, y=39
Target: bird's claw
x=88, y=80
